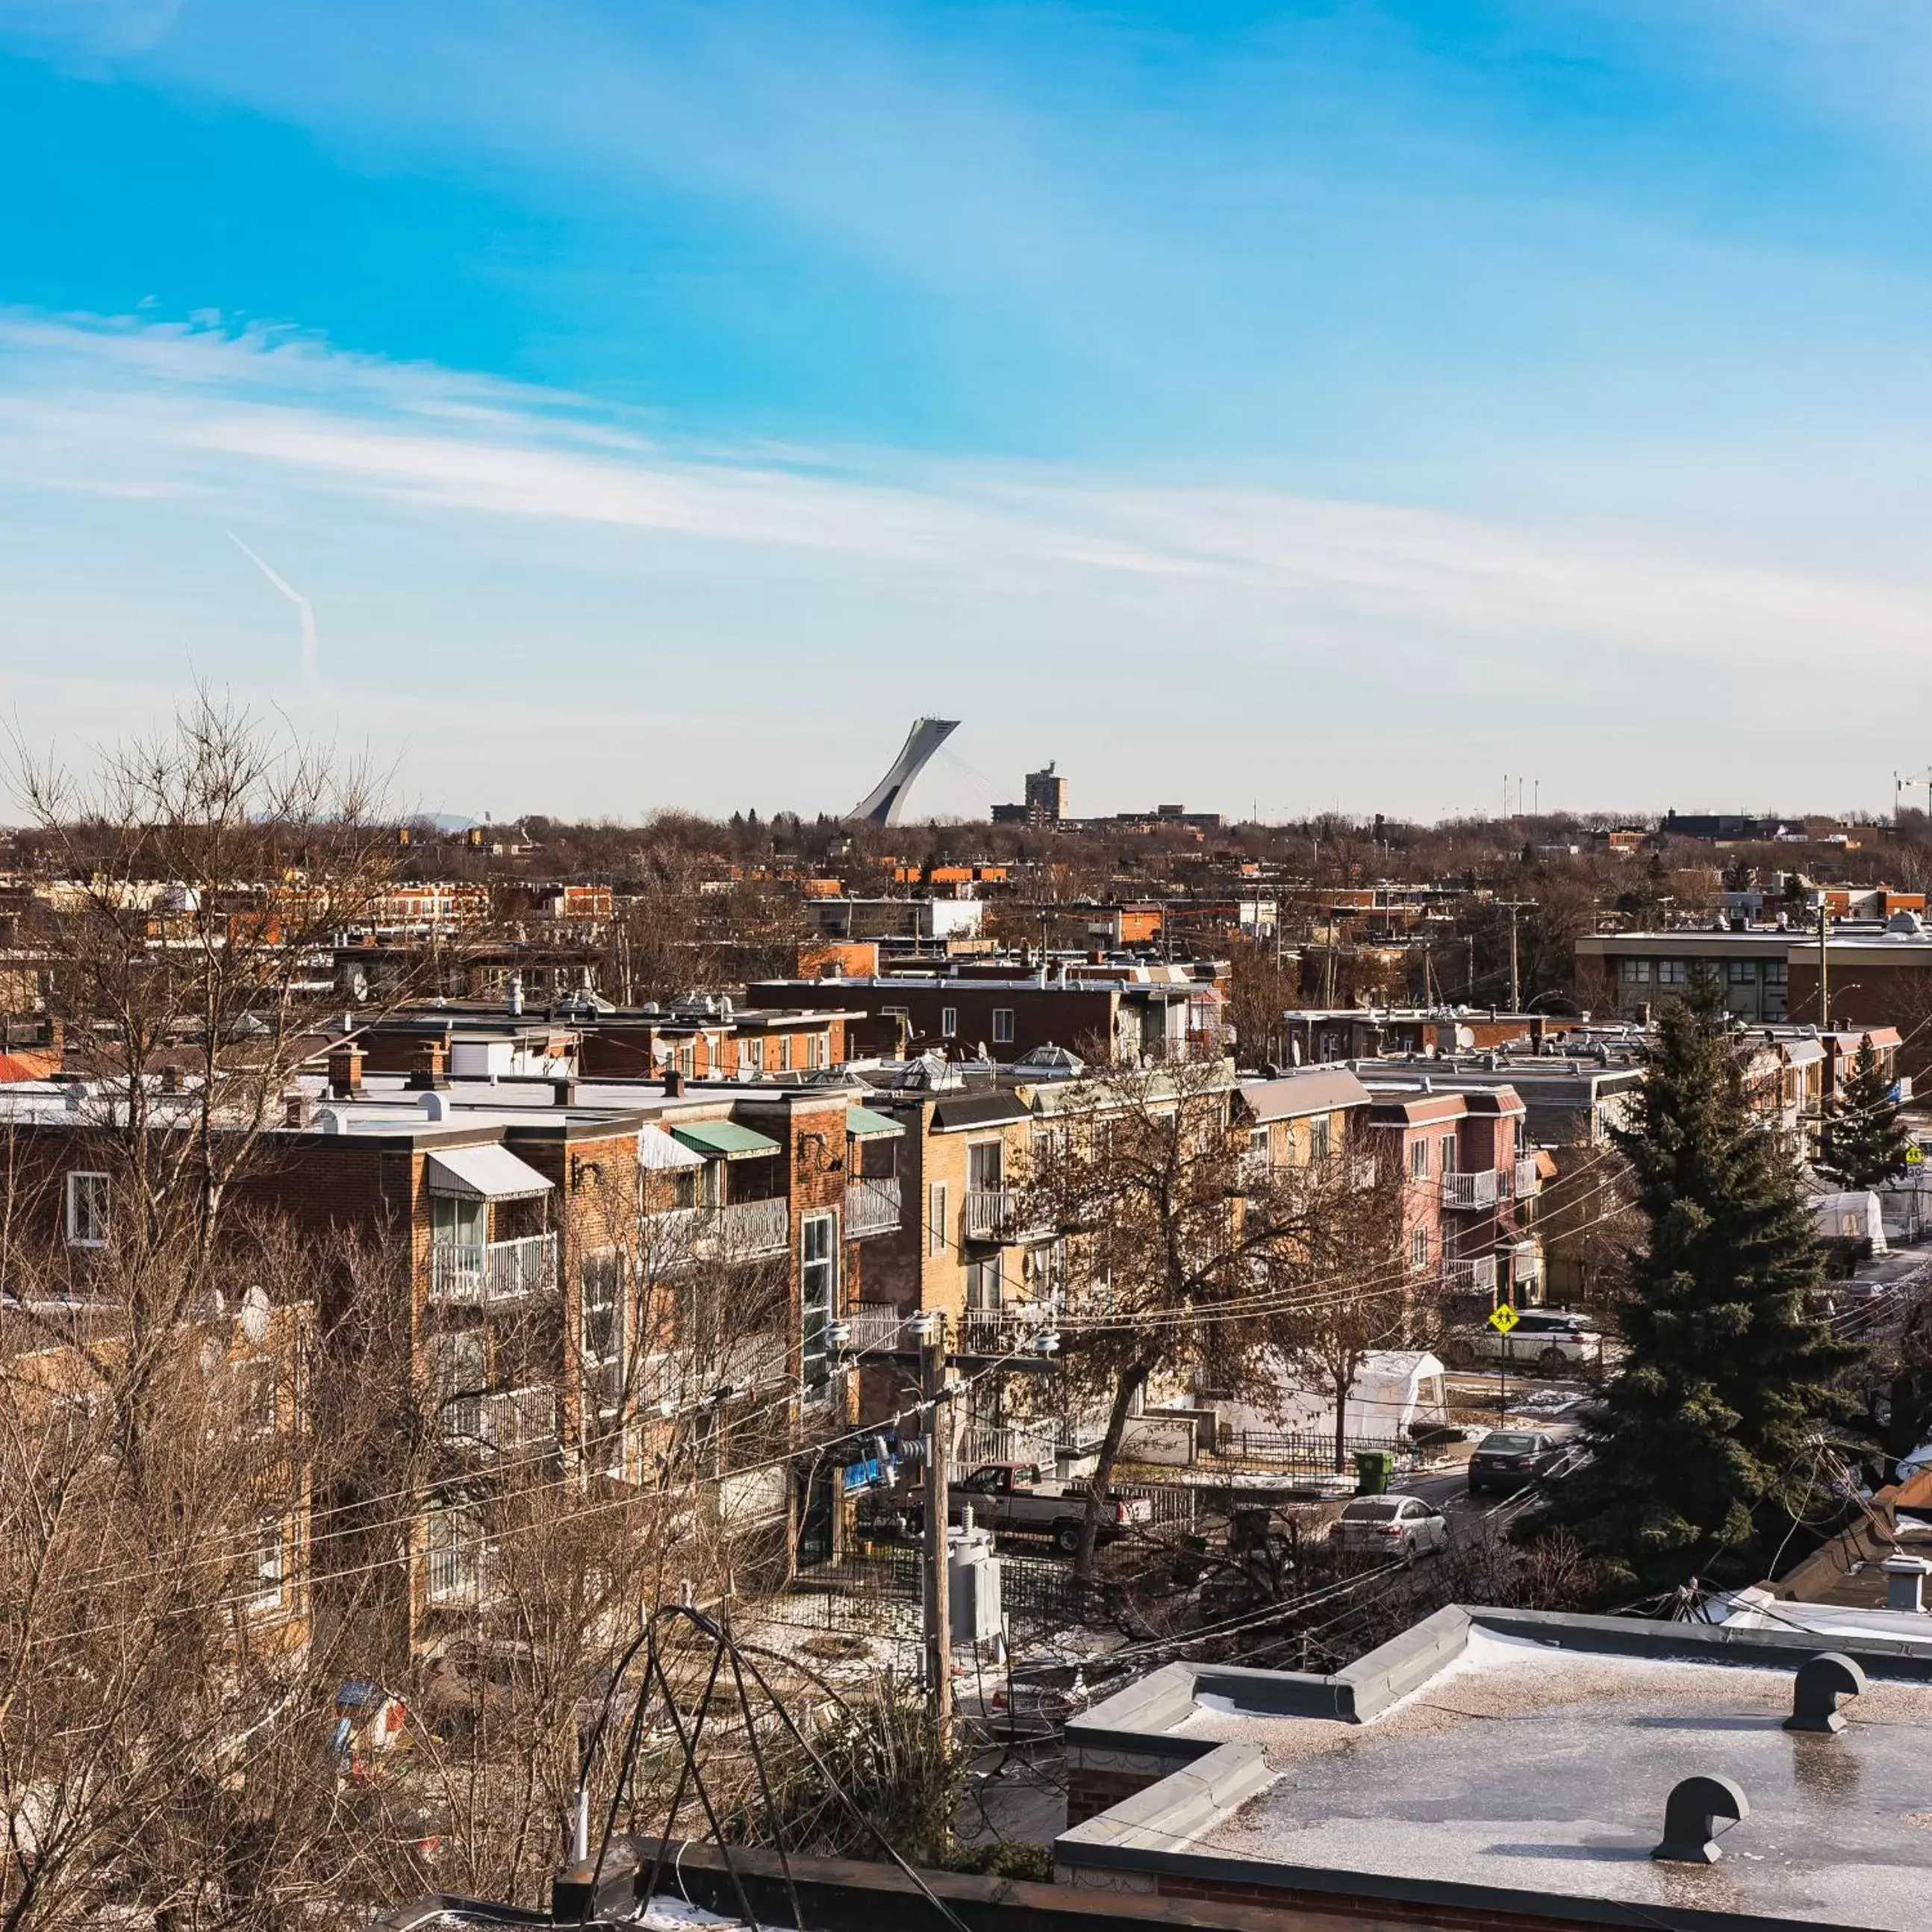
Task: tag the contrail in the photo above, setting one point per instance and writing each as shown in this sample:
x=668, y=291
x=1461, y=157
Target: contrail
x=311, y=650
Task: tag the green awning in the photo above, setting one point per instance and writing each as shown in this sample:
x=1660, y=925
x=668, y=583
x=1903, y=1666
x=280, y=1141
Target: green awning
x=862, y=1124
x=725, y=1140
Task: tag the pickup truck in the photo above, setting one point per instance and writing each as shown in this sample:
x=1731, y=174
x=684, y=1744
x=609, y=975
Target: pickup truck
x=1015, y=1495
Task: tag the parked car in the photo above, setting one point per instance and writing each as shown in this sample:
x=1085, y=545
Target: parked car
x=1511, y=1459
x=1546, y=1339
x=1392, y=1526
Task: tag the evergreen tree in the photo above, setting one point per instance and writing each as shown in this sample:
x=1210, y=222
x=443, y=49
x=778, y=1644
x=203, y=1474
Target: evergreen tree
x=1863, y=1142
x=1707, y=1444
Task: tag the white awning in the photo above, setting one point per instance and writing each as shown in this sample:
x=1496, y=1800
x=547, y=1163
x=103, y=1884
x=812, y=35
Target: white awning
x=656, y=1149
x=491, y=1172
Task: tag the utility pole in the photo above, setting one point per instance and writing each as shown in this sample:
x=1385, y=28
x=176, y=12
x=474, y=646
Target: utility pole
x=931, y=1336
x=1516, y=983
x=1824, y=963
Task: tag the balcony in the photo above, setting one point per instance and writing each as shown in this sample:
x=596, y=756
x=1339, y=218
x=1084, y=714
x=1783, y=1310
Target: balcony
x=991, y=1213
x=1471, y=1277
x=1000, y=1215
x=1469, y=1192
x=872, y=1207
x=747, y=1230
x=744, y=1231
x=1526, y=1264
x=477, y=1274
x=505, y=1421
x=1527, y=1182
x=877, y=1328
x=1000, y=1331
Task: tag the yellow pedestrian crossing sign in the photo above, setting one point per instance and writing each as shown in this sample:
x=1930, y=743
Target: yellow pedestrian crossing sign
x=1504, y=1319
x=1914, y=1155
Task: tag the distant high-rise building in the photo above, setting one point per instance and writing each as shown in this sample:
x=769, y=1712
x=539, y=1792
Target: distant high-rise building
x=1045, y=801
x=1046, y=793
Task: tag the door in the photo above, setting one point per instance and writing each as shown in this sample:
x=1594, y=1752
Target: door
x=985, y=1166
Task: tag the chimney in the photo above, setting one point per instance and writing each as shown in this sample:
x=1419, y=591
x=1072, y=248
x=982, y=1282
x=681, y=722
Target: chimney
x=673, y=1085
x=516, y=995
x=171, y=1080
x=1536, y=1026
x=295, y=1111
x=345, y=1070
x=1905, y=1583
x=432, y=1065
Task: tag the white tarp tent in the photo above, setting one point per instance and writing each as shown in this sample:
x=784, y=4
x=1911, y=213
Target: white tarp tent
x=1394, y=1389
x=1850, y=1217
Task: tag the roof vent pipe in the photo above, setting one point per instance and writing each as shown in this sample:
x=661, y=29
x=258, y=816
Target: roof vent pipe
x=1691, y=1819
x=516, y=996
x=1821, y=1681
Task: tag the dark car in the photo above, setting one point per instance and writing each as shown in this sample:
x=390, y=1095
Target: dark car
x=1510, y=1459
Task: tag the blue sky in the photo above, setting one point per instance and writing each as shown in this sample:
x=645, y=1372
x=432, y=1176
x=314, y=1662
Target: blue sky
x=1289, y=406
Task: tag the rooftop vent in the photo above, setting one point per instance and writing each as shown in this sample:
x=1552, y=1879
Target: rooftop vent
x=1821, y=1681
x=1691, y=1819
x=1905, y=1582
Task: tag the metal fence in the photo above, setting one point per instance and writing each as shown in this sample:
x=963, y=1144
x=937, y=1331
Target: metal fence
x=1305, y=1450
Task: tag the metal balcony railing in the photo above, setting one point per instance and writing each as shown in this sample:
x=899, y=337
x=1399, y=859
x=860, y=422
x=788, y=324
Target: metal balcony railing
x=477, y=1273
x=1529, y=1183
x=1525, y=1263
x=872, y=1207
x=504, y=1419
x=746, y=1229
x=1474, y=1190
x=1471, y=1277
x=991, y=1213
x=877, y=1326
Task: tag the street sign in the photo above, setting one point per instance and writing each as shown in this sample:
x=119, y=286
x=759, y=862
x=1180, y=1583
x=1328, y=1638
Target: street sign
x=1914, y=1155
x=1504, y=1319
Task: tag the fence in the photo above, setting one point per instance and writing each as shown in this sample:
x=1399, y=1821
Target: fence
x=1306, y=1451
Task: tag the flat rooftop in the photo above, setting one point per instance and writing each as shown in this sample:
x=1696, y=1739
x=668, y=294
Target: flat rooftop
x=1525, y=1763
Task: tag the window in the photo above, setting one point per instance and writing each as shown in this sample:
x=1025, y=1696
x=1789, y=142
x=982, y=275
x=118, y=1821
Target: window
x=1448, y=1153
x=603, y=1316
x=985, y=1166
x=948, y=1022
x=1418, y=1160
x=461, y=1370
x=984, y=1289
x=784, y=1053
x=271, y=1562
x=751, y=1056
x=1673, y=972
x=819, y=1046
x=1258, y=1146
x=935, y=1218
x=87, y=1221
x=1777, y=972
x=818, y=1283
x=455, y=1554
x=1636, y=972
x=1003, y=1026
x=256, y=1396
x=1317, y=1140
x=1742, y=972
x=1418, y=1248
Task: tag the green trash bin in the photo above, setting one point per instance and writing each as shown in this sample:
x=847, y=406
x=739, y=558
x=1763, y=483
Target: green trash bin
x=1374, y=1468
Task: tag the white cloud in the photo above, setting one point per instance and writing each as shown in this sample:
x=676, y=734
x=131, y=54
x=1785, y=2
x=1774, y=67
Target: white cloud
x=909, y=577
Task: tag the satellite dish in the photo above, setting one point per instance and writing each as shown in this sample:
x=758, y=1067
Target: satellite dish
x=255, y=1315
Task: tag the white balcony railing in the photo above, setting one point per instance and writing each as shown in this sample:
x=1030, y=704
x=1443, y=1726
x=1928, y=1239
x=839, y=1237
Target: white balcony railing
x=1000, y=1214
x=876, y=1327
x=991, y=1213
x=1363, y=1172
x=1525, y=1263
x=1474, y=1190
x=1471, y=1277
x=479, y=1273
x=747, y=1229
x=1529, y=1183
x=872, y=1207
x=505, y=1419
